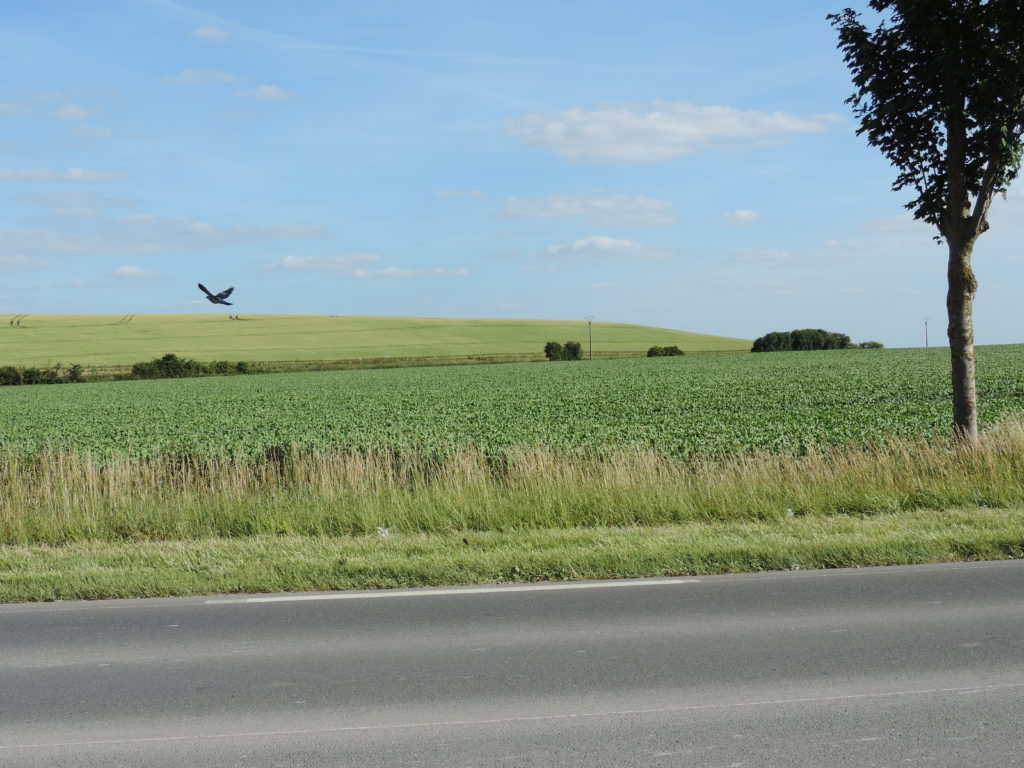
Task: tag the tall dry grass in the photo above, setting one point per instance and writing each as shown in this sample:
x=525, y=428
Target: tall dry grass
x=58, y=498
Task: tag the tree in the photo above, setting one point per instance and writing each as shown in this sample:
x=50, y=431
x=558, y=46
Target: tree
x=940, y=91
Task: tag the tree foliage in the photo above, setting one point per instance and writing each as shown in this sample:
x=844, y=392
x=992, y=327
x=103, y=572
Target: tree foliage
x=800, y=340
x=940, y=91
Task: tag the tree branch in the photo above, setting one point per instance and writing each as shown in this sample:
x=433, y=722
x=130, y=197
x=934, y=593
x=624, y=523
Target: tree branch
x=979, y=218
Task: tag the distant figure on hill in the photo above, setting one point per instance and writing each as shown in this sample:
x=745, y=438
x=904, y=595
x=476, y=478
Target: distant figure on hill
x=217, y=298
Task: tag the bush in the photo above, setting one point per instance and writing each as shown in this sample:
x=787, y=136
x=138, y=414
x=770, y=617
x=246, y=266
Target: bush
x=220, y=367
x=31, y=376
x=571, y=350
x=241, y=367
x=871, y=345
x=664, y=351
x=9, y=376
x=168, y=367
x=75, y=373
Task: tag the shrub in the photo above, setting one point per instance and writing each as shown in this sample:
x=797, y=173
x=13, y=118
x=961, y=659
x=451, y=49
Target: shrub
x=572, y=350
x=75, y=373
x=31, y=376
x=9, y=376
x=220, y=367
x=664, y=351
x=168, y=367
x=241, y=367
x=871, y=345
x=553, y=350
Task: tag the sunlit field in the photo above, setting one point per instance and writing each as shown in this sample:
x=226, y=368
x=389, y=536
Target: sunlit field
x=94, y=340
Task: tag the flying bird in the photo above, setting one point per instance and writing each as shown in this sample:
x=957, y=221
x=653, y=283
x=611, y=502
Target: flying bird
x=217, y=298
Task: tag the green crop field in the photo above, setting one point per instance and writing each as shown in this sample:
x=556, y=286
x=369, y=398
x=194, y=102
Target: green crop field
x=96, y=340
x=676, y=406
x=520, y=472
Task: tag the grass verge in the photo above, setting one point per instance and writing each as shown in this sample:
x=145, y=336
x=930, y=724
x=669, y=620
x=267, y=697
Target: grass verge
x=288, y=563
x=74, y=528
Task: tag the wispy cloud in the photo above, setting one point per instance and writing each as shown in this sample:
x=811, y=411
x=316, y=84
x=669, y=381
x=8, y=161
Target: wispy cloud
x=74, y=202
x=770, y=257
x=604, y=248
x=71, y=112
x=21, y=261
x=201, y=76
x=13, y=107
x=145, y=234
x=459, y=194
x=51, y=174
x=600, y=206
x=266, y=93
x=133, y=272
x=343, y=263
x=210, y=32
x=742, y=218
x=661, y=131
x=352, y=266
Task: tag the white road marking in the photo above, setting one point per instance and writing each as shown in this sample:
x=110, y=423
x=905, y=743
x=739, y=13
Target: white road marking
x=520, y=719
x=546, y=587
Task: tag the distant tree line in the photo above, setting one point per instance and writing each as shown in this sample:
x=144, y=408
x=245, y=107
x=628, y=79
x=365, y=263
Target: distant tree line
x=167, y=367
x=806, y=339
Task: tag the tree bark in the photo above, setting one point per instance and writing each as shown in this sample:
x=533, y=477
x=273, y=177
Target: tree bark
x=960, y=307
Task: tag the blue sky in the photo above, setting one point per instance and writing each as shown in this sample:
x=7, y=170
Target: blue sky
x=689, y=165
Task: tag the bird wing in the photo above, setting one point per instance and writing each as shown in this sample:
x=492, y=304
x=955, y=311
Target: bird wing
x=204, y=289
x=225, y=294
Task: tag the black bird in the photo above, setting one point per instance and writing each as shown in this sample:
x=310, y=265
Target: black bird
x=217, y=298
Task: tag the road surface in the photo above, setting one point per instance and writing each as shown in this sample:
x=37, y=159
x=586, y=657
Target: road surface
x=919, y=665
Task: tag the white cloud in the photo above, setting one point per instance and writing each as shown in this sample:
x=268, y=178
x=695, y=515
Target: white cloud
x=71, y=112
x=20, y=260
x=200, y=76
x=604, y=248
x=661, y=131
x=349, y=265
x=266, y=93
x=50, y=174
x=209, y=32
x=742, y=218
x=130, y=271
x=600, y=206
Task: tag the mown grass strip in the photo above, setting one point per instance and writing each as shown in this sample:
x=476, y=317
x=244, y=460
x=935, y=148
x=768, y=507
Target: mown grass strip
x=293, y=563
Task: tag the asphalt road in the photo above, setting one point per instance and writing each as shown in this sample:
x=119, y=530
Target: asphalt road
x=866, y=667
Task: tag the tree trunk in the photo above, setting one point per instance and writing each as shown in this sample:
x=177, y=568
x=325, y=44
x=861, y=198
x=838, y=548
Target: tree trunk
x=960, y=306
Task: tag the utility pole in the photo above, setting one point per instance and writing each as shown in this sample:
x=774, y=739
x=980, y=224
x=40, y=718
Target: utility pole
x=926, y=319
x=590, y=334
